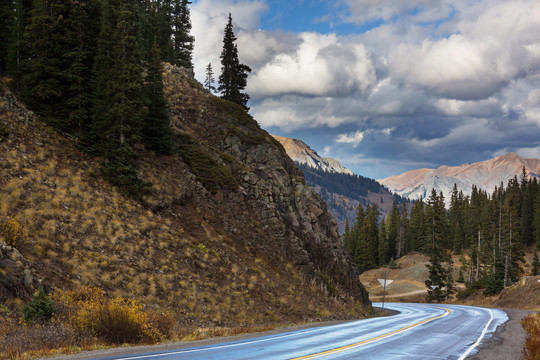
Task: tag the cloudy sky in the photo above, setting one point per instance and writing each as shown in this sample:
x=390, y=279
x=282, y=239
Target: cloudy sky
x=387, y=86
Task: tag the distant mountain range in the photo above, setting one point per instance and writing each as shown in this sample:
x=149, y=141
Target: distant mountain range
x=339, y=187
x=485, y=175
x=303, y=154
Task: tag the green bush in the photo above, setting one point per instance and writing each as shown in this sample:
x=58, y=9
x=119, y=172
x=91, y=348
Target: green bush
x=204, y=164
x=4, y=132
x=119, y=171
x=40, y=309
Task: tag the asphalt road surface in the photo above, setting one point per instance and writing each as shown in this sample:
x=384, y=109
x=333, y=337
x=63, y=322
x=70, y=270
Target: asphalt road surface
x=419, y=331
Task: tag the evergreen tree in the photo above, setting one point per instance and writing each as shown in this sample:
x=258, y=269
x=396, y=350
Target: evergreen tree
x=6, y=21
x=82, y=30
x=402, y=240
x=42, y=80
x=183, y=40
x=40, y=308
x=56, y=83
x=157, y=131
x=119, y=106
x=535, y=265
x=155, y=18
x=209, y=80
x=347, y=238
x=233, y=78
x=537, y=220
x=17, y=50
x=118, y=103
x=417, y=233
x=392, y=230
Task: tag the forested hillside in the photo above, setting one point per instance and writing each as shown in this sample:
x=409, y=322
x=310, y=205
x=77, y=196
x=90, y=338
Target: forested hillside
x=343, y=193
x=492, y=229
x=145, y=207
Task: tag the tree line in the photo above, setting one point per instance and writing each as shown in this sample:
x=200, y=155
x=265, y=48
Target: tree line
x=92, y=70
x=493, y=229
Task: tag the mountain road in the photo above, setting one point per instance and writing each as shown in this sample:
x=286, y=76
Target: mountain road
x=418, y=331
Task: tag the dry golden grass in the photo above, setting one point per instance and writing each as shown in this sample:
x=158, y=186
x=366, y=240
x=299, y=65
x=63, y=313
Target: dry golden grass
x=531, y=324
x=169, y=251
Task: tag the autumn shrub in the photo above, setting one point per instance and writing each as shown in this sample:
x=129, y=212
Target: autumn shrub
x=12, y=232
x=113, y=321
x=531, y=324
x=38, y=338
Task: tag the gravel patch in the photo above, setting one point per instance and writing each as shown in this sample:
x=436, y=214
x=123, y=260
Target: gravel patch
x=507, y=341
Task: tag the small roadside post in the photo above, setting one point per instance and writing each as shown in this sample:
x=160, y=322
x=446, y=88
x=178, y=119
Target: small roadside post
x=384, y=282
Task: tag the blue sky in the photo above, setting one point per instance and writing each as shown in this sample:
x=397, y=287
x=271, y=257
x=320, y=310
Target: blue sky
x=387, y=86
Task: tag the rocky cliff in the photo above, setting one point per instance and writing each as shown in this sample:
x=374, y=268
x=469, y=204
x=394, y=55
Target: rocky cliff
x=269, y=191
x=229, y=233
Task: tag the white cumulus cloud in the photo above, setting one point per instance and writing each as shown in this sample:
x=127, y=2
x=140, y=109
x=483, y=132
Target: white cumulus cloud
x=320, y=66
x=354, y=138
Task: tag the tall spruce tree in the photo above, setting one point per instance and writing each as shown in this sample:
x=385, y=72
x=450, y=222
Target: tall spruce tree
x=17, y=49
x=157, y=130
x=43, y=83
x=181, y=29
x=6, y=21
x=233, y=78
x=119, y=107
x=60, y=37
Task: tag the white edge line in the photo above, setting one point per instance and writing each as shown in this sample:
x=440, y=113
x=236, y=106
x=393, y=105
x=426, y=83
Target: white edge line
x=186, y=351
x=466, y=353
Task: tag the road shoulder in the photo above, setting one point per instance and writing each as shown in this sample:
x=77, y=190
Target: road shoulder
x=507, y=341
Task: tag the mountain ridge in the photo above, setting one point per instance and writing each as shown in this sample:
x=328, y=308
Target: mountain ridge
x=302, y=153
x=486, y=175
x=343, y=191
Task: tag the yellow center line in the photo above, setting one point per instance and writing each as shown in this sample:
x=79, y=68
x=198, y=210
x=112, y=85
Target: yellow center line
x=372, y=340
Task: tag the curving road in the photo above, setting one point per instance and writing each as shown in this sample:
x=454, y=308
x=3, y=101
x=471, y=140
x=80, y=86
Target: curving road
x=419, y=331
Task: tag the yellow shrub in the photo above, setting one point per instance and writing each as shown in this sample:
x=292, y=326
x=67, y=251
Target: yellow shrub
x=12, y=232
x=114, y=321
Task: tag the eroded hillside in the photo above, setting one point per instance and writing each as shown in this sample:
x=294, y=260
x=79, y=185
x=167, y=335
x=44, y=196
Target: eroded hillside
x=229, y=234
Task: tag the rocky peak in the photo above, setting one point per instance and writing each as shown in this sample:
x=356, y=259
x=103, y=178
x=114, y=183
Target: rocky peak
x=303, y=154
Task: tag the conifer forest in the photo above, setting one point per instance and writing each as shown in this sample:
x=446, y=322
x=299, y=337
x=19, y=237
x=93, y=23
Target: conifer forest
x=493, y=229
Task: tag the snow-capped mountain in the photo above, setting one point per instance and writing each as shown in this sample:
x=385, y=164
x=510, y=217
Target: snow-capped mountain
x=485, y=175
x=302, y=153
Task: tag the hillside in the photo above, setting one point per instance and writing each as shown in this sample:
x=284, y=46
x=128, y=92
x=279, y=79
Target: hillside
x=485, y=175
x=229, y=234
x=343, y=193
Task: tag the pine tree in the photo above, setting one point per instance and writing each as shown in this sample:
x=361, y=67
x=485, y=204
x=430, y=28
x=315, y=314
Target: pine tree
x=118, y=103
x=42, y=80
x=183, y=40
x=6, y=21
x=535, y=265
x=155, y=20
x=157, y=131
x=233, y=78
x=209, y=80
x=417, y=232
x=60, y=37
x=82, y=30
x=16, y=47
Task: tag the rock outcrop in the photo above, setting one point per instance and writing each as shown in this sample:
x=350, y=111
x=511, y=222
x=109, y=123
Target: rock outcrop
x=271, y=199
x=17, y=278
